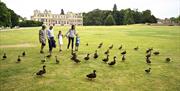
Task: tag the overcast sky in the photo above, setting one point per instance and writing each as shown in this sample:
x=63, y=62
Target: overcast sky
x=159, y=8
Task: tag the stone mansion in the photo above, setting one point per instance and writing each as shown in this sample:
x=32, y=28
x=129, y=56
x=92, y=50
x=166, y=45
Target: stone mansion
x=58, y=19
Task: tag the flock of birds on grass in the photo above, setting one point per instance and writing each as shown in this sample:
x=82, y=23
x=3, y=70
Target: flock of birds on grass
x=95, y=56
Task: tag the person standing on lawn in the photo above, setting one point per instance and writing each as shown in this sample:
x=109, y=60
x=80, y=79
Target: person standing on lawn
x=51, y=41
x=70, y=35
x=42, y=38
x=60, y=40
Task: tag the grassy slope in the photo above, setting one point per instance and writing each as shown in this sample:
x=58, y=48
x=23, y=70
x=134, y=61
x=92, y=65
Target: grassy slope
x=67, y=76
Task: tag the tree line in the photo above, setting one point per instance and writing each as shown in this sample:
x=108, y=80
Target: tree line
x=175, y=19
x=8, y=18
x=118, y=17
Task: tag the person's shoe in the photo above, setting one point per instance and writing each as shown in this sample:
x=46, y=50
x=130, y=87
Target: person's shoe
x=41, y=52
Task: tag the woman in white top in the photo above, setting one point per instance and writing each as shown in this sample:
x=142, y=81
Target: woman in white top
x=71, y=34
x=60, y=40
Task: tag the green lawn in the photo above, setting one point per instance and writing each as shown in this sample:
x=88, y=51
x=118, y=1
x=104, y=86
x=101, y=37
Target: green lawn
x=68, y=76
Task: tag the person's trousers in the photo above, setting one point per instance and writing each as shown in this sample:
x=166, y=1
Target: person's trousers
x=52, y=43
x=70, y=40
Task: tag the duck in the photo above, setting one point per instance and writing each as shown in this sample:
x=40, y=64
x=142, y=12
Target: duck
x=96, y=54
x=156, y=53
x=148, y=70
x=76, y=60
x=48, y=56
x=148, y=61
x=136, y=48
x=148, y=55
x=111, y=46
x=123, y=53
x=101, y=43
x=74, y=56
x=123, y=57
x=168, y=59
x=99, y=46
x=149, y=50
x=4, y=56
x=57, y=61
x=43, y=60
x=106, y=59
x=120, y=47
x=87, y=57
x=24, y=54
x=113, y=62
x=41, y=72
x=19, y=59
x=91, y=75
x=106, y=52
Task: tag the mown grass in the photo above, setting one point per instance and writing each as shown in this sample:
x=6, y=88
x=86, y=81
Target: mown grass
x=68, y=76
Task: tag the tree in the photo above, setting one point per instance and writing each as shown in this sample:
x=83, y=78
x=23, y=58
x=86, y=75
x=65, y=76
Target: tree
x=93, y=17
x=110, y=20
x=30, y=23
x=128, y=17
x=5, y=16
x=123, y=16
x=115, y=8
x=137, y=16
x=152, y=19
x=146, y=16
x=14, y=18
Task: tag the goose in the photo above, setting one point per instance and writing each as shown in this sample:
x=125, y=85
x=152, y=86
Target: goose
x=156, y=53
x=87, y=44
x=43, y=60
x=120, y=47
x=96, y=54
x=113, y=62
x=101, y=43
x=148, y=61
x=76, y=60
x=99, y=46
x=24, y=54
x=41, y=72
x=111, y=46
x=149, y=50
x=106, y=59
x=136, y=48
x=123, y=58
x=148, y=70
x=48, y=56
x=74, y=56
x=91, y=75
x=123, y=53
x=19, y=59
x=148, y=55
x=106, y=52
x=57, y=61
x=168, y=59
x=4, y=56
x=87, y=57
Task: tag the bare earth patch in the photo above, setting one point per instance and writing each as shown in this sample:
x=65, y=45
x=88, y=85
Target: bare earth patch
x=18, y=45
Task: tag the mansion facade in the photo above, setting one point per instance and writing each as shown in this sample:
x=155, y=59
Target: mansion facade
x=62, y=19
